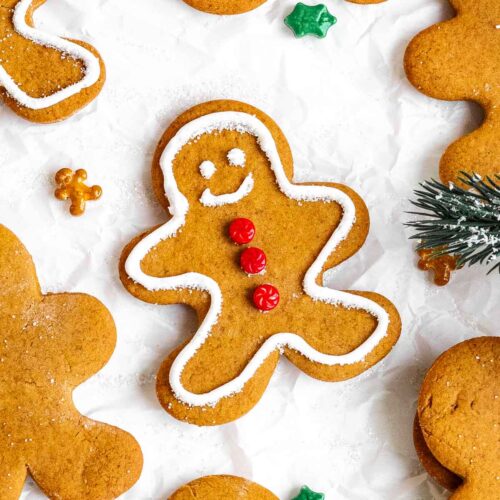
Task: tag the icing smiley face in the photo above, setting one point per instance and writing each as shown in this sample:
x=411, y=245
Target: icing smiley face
x=303, y=230
x=236, y=158
x=44, y=78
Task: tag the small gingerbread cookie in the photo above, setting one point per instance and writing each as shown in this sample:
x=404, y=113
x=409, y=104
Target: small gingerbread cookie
x=458, y=422
x=49, y=344
x=457, y=60
x=226, y=487
x=247, y=248
x=231, y=7
x=44, y=78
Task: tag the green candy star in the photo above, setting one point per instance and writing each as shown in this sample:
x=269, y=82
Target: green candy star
x=310, y=20
x=308, y=494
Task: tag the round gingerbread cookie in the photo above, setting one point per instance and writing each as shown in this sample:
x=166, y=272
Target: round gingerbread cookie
x=49, y=345
x=226, y=487
x=231, y=7
x=246, y=320
x=457, y=60
x=44, y=78
x=458, y=415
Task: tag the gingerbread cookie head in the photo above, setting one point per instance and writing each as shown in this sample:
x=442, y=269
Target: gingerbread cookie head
x=44, y=78
x=247, y=249
x=230, y=7
x=227, y=487
x=458, y=414
x=49, y=344
x=458, y=60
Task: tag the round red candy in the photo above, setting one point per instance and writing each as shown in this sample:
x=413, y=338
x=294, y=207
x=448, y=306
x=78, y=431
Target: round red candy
x=242, y=231
x=253, y=260
x=266, y=297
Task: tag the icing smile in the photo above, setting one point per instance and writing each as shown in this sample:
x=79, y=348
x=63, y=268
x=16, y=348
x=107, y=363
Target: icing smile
x=213, y=200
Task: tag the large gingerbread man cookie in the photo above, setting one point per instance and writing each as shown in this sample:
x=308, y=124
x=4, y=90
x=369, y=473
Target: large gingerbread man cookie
x=458, y=419
x=44, y=78
x=226, y=487
x=49, y=344
x=247, y=249
x=457, y=60
x=230, y=7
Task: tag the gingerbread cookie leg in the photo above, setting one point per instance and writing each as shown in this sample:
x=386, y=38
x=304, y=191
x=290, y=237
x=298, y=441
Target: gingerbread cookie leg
x=457, y=60
x=247, y=249
x=44, y=78
x=12, y=472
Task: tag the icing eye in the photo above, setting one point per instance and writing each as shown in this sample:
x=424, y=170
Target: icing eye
x=207, y=169
x=236, y=157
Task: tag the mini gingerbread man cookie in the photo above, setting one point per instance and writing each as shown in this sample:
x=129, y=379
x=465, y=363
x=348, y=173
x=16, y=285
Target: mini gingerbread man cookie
x=457, y=60
x=248, y=316
x=231, y=7
x=226, y=487
x=49, y=344
x=458, y=419
x=44, y=78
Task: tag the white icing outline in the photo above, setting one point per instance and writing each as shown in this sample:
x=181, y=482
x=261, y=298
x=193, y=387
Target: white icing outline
x=91, y=63
x=179, y=206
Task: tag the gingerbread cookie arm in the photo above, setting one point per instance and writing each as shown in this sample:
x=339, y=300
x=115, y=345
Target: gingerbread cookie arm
x=44, y=78
x=458, y=60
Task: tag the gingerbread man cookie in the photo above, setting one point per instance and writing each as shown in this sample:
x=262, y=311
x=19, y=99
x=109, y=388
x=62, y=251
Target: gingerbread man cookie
x=457, y=60
x=227, y=487
x=230, y=7
x=49, y=344
x=248, y=316
x=44, y=78
x=458, y=419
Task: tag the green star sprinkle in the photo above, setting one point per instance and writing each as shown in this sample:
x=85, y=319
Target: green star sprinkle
x=308, y=494
x=310, y=20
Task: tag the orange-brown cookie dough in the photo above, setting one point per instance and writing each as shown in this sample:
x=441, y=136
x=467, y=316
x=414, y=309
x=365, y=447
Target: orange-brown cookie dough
x=458, y=416
x=230, y=7
x=233, y=172
x=222, y=487
x=44, y=78
x=49, y=344
x=457, y=60
x=437, y=471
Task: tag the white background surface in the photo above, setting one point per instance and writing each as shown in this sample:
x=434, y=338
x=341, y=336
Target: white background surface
x=350, y=116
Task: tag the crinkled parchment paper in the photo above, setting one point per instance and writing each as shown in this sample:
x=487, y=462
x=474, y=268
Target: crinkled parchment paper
x=350, y=116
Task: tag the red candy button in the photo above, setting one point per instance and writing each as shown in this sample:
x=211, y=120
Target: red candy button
x=266, y=297
x=253, y=260
x=242, y=231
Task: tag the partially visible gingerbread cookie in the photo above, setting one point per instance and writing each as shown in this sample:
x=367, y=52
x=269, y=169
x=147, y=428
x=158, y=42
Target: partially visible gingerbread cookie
x=44, y=78
x=457, y=60
x=458, y=416
x=222, y=487
x=49, y=344
x=231, y=7
x=247, y=248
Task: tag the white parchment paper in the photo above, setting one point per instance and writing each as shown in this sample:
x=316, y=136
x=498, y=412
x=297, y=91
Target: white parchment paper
x=350, y=116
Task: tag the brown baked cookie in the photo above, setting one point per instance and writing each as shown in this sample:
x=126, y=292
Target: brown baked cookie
x=437, y=471
x=49, y=344
x=230, y=7
x=226, y=487
x=457, y=60
x=44, y=78
x=459, y=415
x=246, y=249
